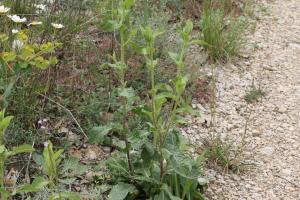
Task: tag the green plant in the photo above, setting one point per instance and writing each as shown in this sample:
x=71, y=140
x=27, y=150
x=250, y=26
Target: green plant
x=20, y=58
x=222, y=33
x=254, y=94
x=152, y=163
x=50, y=163
x=5, y=154
x=121, y=22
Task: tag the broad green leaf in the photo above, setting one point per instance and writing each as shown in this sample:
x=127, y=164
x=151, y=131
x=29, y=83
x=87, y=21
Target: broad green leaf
x=147, y=153
x=180, y=84
x=184, y=165
x=159, y=101
x=58, y=154
x=177, y=119
x=175, y=57
x=22, y=35
x=128, y=93
x=138, y=138
x=38, y=159
x=25, y=148
x=117, y=164
x=72, y=167
x=120, y=191
x=37, y=184
x=27, y=52
x=98, y=134
x=49, y=160
x=53, y=60
x=2, y=149
x=118, y=143
x=47, y=47
x=188, y=27
x=22, y=65
x=40, y=62
x=4, y=123
x=185, y=108
x=163, y=87
x=8, y=56
x=111, y=25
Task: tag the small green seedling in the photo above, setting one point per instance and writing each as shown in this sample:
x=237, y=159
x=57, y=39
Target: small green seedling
x=254, y=94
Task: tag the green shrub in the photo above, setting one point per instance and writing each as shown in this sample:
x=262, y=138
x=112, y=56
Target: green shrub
x=151, y=161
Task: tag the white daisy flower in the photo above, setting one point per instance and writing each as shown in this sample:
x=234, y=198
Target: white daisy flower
x=35, y=23
x=57, y=26
x=17, y=19
x=4, y=9
x=14, y=31
x=40, y=6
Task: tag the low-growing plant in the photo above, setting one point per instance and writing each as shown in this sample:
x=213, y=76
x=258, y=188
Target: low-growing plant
x=151, y=161
x=51, y=162
x=222, y=33
x=20, y=58
x=5, y=154
x=254, y=94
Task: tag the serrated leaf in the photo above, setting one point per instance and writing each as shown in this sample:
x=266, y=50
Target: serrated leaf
x=99, y=133
x=37, y=184
x=120, y=191
x=128, y=93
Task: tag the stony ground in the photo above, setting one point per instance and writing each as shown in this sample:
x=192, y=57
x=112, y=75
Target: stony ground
x=272, y=62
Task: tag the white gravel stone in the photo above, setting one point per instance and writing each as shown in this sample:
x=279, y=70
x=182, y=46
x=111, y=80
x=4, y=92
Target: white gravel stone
x=271, y=61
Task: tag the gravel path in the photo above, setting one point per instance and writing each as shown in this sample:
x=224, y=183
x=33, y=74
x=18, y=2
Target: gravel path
x=274, y=124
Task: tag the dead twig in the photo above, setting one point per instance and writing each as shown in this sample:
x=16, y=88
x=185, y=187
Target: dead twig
x=67, y=110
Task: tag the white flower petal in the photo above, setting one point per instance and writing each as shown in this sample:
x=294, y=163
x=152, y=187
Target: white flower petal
x=17, y=19
x=14, y=31
x=40, y=6
x=35, y=23
x=4, y=9
x=57, y=26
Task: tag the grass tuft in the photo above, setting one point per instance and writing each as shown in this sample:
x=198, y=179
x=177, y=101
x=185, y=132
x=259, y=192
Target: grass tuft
x=222, y=33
